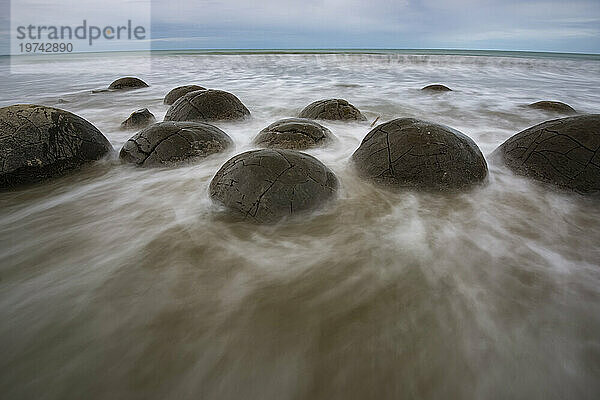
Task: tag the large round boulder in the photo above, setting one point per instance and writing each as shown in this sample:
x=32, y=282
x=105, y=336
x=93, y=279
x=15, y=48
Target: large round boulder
x=180, y=91
x=436, y=88
x=410, y=153
x=564, y=152
x=39, y=142
x=294, y=134
x=139, y=119
x=128, y=82
x=332, y=109
x=553, y=106
x=172, y=143
x=207, y=105
x=267, y=185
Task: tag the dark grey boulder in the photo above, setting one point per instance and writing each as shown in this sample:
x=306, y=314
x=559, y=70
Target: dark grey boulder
x=564, y=152
x=332, y=109
x=410, y=153
x=436, y=88
x=267, y=185
x=172, y=143
x=138, y=119
x=553, y=106
x=294, y=134
x=39, y=142
x=207, y=105
x=128, y=82
x=180, y=91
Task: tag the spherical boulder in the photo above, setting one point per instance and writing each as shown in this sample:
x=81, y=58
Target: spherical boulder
x=180, y=91
x=294, y=134
x=207, y=105
x=138, y=119
x=267, y=185
x=553, y=106
x=332, y=109
x=436, y=88
x=172, y=143
x=39, y=142
x=410, y=153
x=128, y=82
x=564, y=152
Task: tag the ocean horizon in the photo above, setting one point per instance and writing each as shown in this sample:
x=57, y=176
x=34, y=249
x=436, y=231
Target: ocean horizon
x=416, y=51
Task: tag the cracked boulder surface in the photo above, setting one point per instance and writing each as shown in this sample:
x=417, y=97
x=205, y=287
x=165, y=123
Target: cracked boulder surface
x=207, y=105
x=173, y=143
x=266, y=185
x=564, y=152
x=180, y=91
x=436, y=88
x=39, y=142
x=410, y=153
x=294, y=134
x=332, y=109
x=553, y=106
x=139, y=119
x=128, y=82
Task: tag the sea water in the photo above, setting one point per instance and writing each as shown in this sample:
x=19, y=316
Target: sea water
x=118, y=282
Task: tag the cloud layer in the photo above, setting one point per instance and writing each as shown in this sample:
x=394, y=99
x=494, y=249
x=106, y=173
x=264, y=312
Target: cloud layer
x=536, y=25
x=543, y=25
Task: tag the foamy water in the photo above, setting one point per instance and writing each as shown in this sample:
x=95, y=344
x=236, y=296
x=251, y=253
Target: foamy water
x=123, y=283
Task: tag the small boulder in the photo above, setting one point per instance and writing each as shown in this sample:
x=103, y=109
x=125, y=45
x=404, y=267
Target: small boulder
x=436, y=88
x=180, y=91
x=172, y=143
x=127, y=83
x=267, y=185
x=410, y=153
x=332, y=109
x=564, y=152
x=294, y=134
x=138, y=119
x=39, y=142
x=553, y=106
x=207, y=105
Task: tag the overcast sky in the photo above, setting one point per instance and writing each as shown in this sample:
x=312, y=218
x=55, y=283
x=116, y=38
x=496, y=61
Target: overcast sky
x=538, y=25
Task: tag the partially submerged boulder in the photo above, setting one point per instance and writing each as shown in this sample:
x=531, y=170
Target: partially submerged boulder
x=207, y=105
x=39, y=142
x=180, y=91
x=172, y=143
x=128, y=82
x=410, y=153
x=436, y=88
x=138, y=119
x=267, y=185
x=553, y=106
x=294, y=134
x=564, y=152
x=332, y=109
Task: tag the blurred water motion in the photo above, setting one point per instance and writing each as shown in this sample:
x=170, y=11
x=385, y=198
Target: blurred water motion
x=125, y=283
